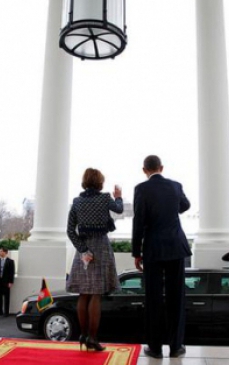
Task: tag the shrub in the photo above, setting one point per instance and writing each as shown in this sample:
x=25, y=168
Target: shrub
x=10, y=244
x=125, y=246
x=121, y=246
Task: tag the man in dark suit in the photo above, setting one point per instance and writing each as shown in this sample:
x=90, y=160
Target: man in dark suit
x=7, y=271
x=159, y=243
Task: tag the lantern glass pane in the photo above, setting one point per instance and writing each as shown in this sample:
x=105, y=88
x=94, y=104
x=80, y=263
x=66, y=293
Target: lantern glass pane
x=72, y=41
x=106, y=49
x=88, y=9
x=65, y=12
x=115, y=11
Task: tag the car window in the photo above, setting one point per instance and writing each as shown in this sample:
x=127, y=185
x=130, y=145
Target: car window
x=132, y=285
x=196, y=284
x=224, y=287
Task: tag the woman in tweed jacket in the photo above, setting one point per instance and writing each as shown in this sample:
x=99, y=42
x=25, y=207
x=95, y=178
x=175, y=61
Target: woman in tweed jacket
x=93, y=270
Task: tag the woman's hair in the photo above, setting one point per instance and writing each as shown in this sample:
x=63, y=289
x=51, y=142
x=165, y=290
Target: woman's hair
x=92, y=178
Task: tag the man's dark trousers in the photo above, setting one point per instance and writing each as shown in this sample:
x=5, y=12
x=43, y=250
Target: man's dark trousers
x=4, y=292
x=170, y=276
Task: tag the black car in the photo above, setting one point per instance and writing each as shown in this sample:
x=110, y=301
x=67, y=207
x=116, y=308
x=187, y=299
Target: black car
x=122, y=320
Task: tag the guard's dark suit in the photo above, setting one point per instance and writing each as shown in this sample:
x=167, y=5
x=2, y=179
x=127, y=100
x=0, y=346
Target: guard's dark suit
x=7, y=277
x=157, y=234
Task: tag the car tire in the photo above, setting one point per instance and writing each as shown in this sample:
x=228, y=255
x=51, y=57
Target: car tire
x=58, y=326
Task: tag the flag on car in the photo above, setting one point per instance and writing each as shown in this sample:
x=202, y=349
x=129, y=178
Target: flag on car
x=44, y=297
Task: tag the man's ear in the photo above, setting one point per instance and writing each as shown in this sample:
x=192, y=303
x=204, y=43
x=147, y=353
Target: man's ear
x=144, y=170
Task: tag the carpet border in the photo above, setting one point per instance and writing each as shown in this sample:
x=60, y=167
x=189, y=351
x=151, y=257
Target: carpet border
x=122, y=354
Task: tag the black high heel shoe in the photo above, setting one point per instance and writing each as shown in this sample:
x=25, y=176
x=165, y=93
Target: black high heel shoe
x=82, y=341
x=93, y=344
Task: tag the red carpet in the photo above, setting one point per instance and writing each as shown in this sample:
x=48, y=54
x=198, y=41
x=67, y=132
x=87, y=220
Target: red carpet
x=31, y=352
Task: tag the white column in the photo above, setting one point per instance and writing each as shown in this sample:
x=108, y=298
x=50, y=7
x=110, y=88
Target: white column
x=44, y=255
x=213, y=236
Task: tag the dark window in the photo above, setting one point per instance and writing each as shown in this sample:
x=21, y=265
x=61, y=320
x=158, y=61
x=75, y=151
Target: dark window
x=224, y=285
x=132, y=285
x=196, y=284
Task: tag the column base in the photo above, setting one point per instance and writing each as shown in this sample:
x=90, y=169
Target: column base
x=37, y=260
x=208, y=250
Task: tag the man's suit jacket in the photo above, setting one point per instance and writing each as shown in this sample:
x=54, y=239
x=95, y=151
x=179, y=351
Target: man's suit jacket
x=8, y=271
x=157, y=231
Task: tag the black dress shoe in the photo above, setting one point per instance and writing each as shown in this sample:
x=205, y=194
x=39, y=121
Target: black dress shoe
x=179, y=352
x=151, y=353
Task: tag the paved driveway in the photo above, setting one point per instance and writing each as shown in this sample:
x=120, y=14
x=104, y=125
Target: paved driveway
x=8, y=328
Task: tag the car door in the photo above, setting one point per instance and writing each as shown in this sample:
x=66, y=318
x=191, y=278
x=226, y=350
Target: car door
x=199, y=303
x=221, y=307
x=123, y=311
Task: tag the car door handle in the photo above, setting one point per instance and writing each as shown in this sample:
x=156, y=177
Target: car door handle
x=198, y=303
x=138, y=304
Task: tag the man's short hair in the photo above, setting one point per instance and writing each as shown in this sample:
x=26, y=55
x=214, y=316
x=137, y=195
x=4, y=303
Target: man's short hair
x=152, y=163
x=4, y=249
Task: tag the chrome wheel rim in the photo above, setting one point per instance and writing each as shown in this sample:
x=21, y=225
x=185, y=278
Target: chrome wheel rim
x=57, y=328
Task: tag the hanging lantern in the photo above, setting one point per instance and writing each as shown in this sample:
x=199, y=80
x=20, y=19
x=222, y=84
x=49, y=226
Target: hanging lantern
x=93, y=29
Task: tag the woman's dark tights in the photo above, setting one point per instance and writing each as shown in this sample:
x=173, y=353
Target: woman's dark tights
x=89, y=313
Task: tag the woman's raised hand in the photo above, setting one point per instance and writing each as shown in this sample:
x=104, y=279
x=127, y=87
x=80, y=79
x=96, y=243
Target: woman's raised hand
x=117, y=191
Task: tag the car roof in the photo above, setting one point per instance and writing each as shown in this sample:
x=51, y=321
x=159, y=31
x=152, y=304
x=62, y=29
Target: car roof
x=62, y=293
x=207, y=270
x=187, y=270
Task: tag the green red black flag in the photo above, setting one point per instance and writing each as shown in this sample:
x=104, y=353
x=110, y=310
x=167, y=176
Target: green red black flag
x=45, y=298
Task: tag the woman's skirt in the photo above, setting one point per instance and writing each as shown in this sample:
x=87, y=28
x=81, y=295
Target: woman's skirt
x=100, y=277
